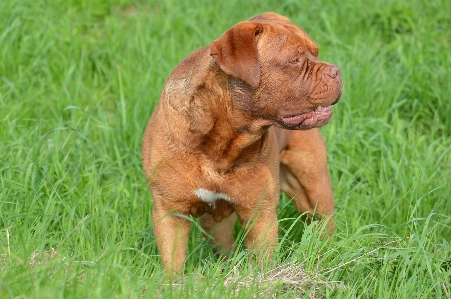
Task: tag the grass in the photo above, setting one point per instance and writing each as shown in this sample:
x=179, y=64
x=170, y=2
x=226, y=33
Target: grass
x=78, y=82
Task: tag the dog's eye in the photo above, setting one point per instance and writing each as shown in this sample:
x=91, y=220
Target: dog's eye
x=294, y=61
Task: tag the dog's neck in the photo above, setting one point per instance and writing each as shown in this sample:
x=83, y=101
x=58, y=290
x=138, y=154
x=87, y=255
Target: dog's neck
x=219, y=126
x=235, y=137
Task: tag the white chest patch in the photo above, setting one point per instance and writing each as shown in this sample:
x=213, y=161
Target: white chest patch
x=210, y=197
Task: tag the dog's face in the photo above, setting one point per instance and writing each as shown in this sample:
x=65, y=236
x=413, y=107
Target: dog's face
x=278, y=64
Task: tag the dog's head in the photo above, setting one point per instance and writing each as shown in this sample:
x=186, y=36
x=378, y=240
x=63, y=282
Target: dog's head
x=277, y=63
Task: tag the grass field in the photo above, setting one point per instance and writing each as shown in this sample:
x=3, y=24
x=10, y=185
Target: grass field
x=78, y=82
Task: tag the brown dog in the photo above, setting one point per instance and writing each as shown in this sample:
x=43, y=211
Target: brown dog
x=210, y=149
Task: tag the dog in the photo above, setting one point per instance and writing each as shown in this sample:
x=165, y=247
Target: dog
x=237, y=122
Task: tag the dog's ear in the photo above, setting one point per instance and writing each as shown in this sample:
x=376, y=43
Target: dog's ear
x=236, y=52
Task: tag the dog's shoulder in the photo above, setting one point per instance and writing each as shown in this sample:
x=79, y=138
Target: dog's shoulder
x=185, y=79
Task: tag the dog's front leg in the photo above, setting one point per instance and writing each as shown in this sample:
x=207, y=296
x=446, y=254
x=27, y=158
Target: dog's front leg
x=261, y=228
x=171, y=234
x=221, y=233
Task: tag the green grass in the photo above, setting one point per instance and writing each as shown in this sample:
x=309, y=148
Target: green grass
x=79, y=80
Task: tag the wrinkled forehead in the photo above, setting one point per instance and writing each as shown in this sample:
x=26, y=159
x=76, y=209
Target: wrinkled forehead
x=285, y=34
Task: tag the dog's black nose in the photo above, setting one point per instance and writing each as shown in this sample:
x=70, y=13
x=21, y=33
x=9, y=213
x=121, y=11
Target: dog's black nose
x=334, y=71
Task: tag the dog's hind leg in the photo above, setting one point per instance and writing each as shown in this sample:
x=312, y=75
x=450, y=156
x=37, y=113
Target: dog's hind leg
x=304, y=176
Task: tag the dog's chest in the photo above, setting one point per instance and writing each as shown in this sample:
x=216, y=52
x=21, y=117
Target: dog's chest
x=210, y=197
x=215, y=203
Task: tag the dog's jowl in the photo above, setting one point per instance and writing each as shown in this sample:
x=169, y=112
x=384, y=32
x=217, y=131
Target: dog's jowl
x=237, y=122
